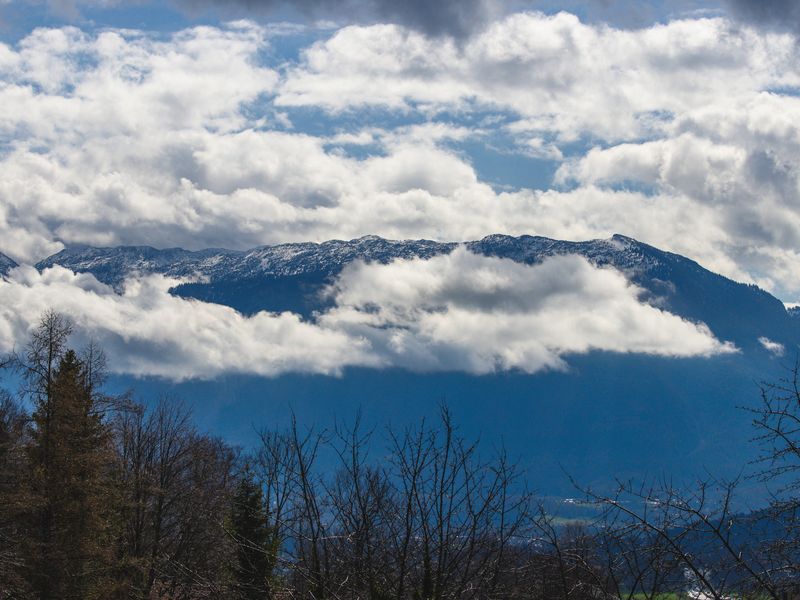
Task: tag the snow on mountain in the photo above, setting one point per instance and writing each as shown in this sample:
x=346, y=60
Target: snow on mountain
x=6, y=264
x=112, y=265
x=290, y=276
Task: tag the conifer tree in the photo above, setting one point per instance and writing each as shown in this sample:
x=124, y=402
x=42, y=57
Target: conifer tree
x=68, y=485
x=12, y=431
x=254, y=556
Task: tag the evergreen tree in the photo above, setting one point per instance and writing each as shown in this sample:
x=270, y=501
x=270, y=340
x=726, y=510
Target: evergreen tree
x=12, y=466
x=68, y=458
x=254, y=554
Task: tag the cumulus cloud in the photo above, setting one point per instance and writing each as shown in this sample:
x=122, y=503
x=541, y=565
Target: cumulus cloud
x=64, y=84
x=123, y=137
x=461, y=312
x=469, y=312
x=557, y=73
x=773, y=348
x=146, y=331
x=94, y=128
x=737, y=160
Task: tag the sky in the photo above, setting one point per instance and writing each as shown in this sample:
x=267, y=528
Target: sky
x=202, y=123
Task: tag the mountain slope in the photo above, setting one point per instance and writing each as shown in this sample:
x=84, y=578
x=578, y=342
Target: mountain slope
x=6, y=264
x=734, y=311
x=290, y=276
x=112, y=265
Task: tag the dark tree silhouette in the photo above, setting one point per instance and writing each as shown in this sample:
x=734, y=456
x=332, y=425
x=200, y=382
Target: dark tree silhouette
x=12, y=499
x=69, y=488
x=255, y=558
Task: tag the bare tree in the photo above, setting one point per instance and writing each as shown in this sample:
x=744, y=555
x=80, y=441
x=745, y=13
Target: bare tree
x=432, y=520
x=777, y=423
x=175, y=488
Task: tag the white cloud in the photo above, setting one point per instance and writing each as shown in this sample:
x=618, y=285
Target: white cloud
x=100, y=129
x=773, y=348
x=461, y=312
x=468, y=312
x=122, y=137
x=146, y=331
x=203, y=189
x=738, y=161
x=555, y=72
x=64, y=85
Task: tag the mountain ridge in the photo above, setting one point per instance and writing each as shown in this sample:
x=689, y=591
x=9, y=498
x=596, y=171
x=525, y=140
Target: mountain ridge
x=94, y=259
x=289, y=277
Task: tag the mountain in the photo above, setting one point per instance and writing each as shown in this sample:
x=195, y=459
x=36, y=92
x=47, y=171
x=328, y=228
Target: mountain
x=6, y=264
x=608, y=415
x=734, y=311
x=112, y=265
x=290, y=276
x=276, y=278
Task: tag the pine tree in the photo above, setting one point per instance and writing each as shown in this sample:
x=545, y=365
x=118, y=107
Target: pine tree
x=12, y=468
x=254, y=554
x=68, y=457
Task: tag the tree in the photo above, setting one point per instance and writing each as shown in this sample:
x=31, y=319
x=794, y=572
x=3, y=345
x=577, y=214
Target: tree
x=777, y=423
x=68, y=483
x=655, y=536
x=254, y=553
x=176, y=488
x=12, y=466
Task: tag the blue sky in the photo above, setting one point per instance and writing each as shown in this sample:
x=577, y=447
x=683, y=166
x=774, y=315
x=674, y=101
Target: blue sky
x=198, y=123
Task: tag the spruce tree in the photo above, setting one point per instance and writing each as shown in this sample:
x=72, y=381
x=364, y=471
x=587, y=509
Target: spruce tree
x=254, y=554
x=12, y=501
x=68, y=458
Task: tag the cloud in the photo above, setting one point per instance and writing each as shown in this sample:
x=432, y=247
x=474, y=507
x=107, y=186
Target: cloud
x=146, y=331
x=95, y=128
x=673, y=134
x=461, y=312
x=775, y=14
x=739, y=160
x=773, y=348
x=556, y=73
x=468, y=312
x=456, y=18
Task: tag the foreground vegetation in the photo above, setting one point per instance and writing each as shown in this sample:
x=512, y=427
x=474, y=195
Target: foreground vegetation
x=101, y=497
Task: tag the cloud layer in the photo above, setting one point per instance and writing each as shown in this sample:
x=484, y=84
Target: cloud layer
x=455, y=18
x=469, y=312
x=775, y=14
x=566, y=77
x=148, y=332
x=683, y=135
x=460, y=312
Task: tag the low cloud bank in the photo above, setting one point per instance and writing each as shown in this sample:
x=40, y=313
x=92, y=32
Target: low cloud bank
x=460, y=312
